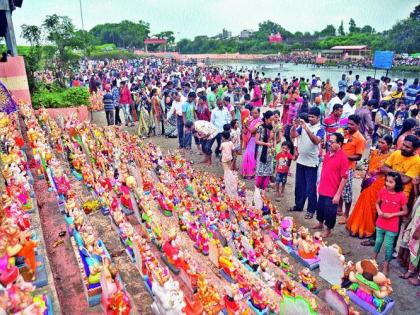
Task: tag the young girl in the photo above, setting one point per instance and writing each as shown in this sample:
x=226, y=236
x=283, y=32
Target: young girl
x=235, y=133
x=227, y=149
x=391, y=205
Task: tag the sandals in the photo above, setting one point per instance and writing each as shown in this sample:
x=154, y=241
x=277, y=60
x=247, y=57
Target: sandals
x=309, y=216
x=407, y=275
x=368, y=243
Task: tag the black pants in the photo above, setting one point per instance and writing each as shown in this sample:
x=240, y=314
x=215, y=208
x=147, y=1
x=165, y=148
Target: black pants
x=117, y=116
x=109, y=117
x=180, y=127
x=207, y=144
x=219, y=143
x=326, y=211
x=305, y=187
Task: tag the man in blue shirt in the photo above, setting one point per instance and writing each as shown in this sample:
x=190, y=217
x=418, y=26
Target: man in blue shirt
x=412, y=91
x=342, y=84
x=108, y=101
x=220, y=116
x=188, y=116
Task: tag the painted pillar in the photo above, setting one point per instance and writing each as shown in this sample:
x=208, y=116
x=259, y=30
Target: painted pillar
x=13, y=76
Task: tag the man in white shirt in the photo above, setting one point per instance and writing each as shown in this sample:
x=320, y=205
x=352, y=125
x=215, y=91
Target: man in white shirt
x=206, y=132
x=315, y=88
x=338, y=99
x=177, y=109
x=220, y=116
x=349, y=108
x=310, y=137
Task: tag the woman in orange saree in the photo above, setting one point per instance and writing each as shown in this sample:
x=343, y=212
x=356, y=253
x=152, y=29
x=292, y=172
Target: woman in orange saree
x=327, y=92
x=361, y=222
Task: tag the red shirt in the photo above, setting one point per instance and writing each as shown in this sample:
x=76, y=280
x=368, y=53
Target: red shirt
x=125, y=97
x=203, y=112
x=334, y=168
x=390, y=203
x=282, y=162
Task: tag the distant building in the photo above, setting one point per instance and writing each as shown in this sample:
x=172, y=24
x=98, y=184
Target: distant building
x=245, y=34
x=225, y=34
x=352, y=52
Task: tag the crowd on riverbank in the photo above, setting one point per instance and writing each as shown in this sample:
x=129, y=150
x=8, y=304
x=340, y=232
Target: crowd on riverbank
x=272, y=123
x=308, y=57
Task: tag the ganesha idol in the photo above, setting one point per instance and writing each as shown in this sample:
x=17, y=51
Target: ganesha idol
x=165, y=205
x=307, y=248
x=172, y=253
x=202, y=241
x=8, y=272
x=18, y=189
x=257, y=299
x=286, y=228
x=233, y=301
x=61, y=181
x=169, y=298
x=307, y=280
x=226, y=264
x=91, y=252
x=19, y=248
x=126, y=232
x=114, y=299
x=370, y=289
x=19, y=298
x=13, y=211
x=208, y=296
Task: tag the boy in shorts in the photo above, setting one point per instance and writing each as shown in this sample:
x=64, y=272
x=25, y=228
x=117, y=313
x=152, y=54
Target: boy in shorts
x=283, y=158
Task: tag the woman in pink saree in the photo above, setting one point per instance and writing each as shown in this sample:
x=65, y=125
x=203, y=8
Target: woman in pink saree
x=257, y=95
x=250, y=127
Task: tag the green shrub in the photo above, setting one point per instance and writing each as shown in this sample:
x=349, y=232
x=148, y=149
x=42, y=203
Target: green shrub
x=71, y=97
x=406, y=68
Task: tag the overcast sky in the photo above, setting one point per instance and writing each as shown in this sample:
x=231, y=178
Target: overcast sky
x=189, y=18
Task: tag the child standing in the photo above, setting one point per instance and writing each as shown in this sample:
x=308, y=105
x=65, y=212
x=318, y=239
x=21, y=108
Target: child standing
x=391, y=205
x=283, y=158
x=227, y=149
x=235, y=134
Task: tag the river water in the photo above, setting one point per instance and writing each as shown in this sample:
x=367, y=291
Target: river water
x=288, y=70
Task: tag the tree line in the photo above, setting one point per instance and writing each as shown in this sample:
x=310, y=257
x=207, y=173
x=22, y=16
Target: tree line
x=56, y=44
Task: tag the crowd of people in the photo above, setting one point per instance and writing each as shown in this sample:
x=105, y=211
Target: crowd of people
x=309, y=57
x=273, y=122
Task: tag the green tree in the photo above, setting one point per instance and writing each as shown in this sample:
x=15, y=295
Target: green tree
x=168, y=35
x=268, y=27
x=415, y=15
x=367, y=29
x=60, y=32
x=298, y=34
x=32, y=34
x=123, y=34
x=85, y=41
x=404, y=36
x=329, y=30
x=341, y=29
x=352, y=26
x=183, y=45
